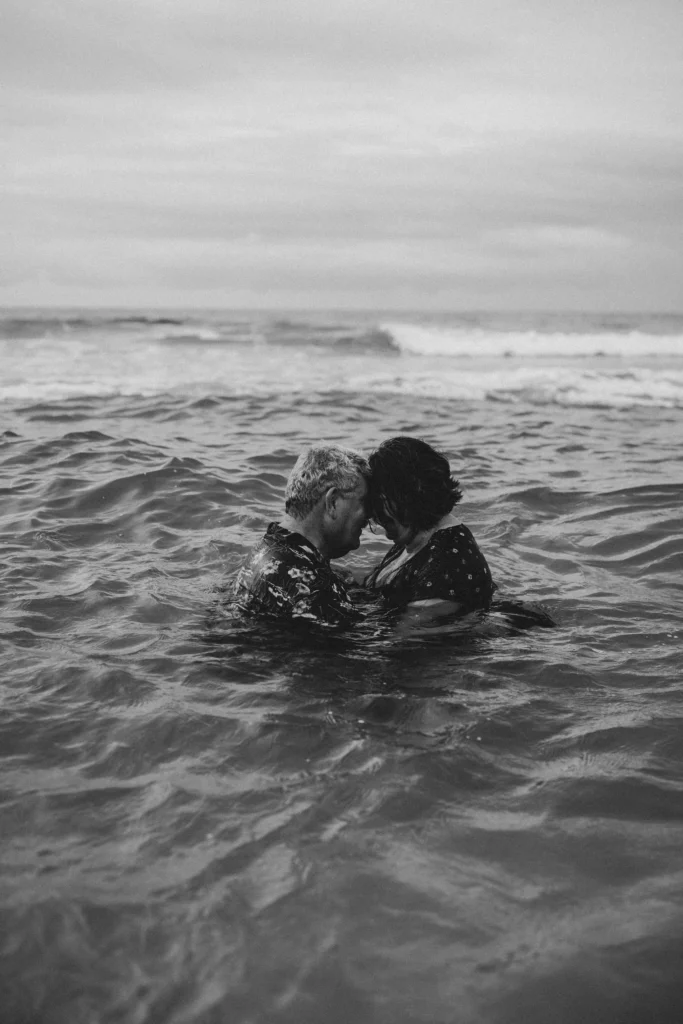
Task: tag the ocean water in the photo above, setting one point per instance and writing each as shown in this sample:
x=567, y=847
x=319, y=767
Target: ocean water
x=204, y=822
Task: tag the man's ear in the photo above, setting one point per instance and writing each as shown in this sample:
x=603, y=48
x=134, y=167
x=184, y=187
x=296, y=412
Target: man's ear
x=331, y=499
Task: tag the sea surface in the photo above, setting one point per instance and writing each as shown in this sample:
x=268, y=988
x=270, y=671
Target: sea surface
x=206, y=821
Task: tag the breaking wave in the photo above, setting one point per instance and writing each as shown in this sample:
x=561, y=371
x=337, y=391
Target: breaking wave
x=458, y=342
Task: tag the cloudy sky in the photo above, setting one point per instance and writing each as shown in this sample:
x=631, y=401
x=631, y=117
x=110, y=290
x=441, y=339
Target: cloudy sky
x=495, y=154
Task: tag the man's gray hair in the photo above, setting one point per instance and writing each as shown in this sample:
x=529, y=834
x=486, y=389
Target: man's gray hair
x=318, y=469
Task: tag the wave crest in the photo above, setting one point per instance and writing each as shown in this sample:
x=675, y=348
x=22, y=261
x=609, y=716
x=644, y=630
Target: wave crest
x=465, y=343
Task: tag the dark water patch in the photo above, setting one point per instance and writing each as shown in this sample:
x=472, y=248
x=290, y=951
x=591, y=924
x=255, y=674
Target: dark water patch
x=165, y=321
x=173, y=486
x=118, y=642
x=84, y=534
x=634, y=799
x=164, y=407
x=280, y=460
x=638, y=550
x=45, y=451
x=38, y=327
x=142, y=745
x=568, y=449
x=209, y=402
x=81, y=934
x=301, y=325
x=599, y=986
x=86, y=435
x=356, y=338
x=116, y=687
x=635, y=509
x=377, y=340
x=38, y=624
x=546, y=500
x=63, y=734
x=16, y=488
x=660, y=493
x=136, y=455
x=63, y=411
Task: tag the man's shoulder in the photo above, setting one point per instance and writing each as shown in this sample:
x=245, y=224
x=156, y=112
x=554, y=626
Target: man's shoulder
x=280, y=548
x=285, y=575
x=273, y=553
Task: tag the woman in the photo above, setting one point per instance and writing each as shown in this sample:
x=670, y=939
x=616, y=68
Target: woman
x=434, y=559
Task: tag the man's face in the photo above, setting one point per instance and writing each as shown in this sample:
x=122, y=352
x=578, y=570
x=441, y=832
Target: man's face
x=351, y=518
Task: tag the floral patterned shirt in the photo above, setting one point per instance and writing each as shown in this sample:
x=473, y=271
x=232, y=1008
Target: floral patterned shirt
x=450, y=567
x=285, y=576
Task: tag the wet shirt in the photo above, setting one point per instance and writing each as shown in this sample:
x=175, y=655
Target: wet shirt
x=450, y=567
x=286, y=577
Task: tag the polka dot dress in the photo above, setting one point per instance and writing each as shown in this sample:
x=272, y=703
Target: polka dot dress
x=449, y=567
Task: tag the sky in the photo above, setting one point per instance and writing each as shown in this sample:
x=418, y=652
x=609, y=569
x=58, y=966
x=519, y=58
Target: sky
x=386, y=154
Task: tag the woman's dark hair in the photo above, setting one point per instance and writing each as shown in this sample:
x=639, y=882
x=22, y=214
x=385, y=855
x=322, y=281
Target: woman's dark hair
x=413, y=482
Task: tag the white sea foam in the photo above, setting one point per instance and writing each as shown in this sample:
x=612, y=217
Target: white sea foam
x=461, y=342
x=62, y=390
x=188, y=333
x=537, y=385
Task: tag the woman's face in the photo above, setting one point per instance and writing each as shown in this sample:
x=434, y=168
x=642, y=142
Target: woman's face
x=395, y=530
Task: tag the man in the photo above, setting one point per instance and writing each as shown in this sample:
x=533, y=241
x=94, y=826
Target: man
x=288, y=574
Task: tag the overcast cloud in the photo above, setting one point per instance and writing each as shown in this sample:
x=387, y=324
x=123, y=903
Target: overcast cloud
x=436, y=154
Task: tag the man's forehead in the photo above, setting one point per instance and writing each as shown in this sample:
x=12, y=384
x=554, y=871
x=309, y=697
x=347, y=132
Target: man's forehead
x=362, y=487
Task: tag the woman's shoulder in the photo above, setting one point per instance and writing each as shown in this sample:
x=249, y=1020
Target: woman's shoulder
x=453, y=538
x=455, y=551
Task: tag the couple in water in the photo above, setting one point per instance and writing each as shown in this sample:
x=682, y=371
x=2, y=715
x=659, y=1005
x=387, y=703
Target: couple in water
x=406, y=487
